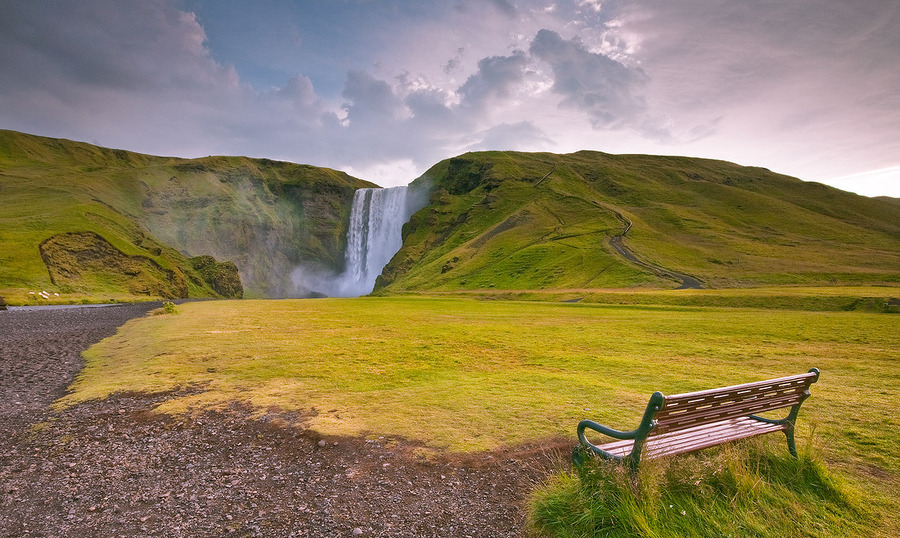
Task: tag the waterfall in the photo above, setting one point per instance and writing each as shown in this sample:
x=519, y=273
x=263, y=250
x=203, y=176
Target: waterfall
x=376, y=219
x=374, y=235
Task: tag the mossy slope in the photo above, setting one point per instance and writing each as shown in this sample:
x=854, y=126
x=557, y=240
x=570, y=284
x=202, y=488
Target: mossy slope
x=507, y=220
x=141, y=218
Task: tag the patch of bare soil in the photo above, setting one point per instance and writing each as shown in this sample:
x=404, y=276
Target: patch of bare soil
x=115, y=468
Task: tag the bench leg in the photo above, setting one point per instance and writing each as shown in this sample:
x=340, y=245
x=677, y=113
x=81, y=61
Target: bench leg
x=789, y=431
x=633, y=463
x=792, y=448
x=579, y=456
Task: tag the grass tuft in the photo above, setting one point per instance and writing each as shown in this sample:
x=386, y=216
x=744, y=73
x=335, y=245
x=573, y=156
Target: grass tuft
x=751, y=488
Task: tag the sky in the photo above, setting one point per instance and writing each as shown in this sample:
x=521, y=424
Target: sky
x=383, y=89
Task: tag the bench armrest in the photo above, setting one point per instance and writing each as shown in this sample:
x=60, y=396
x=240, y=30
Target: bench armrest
x=600, y=428
x=657, y=401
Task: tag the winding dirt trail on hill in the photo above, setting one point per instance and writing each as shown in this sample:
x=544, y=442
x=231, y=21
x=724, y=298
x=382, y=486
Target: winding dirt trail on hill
x=687, y=281
x=113, y=467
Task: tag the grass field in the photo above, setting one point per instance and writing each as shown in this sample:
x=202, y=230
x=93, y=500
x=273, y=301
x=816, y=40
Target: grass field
x=465, y=375
x=753, y=488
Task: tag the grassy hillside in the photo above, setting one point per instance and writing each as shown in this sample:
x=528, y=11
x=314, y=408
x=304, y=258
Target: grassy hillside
x=97, y=223
x=519, y=221
x=91, y=222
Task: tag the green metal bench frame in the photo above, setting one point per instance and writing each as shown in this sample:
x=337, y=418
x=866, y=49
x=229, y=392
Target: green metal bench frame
x=696, y=420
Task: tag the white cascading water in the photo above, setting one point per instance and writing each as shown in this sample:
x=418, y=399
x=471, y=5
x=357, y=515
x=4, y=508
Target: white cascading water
x=376, y=220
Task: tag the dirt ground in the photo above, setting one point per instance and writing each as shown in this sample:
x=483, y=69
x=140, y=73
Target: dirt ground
x=115, y=468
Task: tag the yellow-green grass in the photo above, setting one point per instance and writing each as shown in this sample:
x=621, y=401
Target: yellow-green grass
x=32, y=297
x=34, y=209
x=833, y=298
x=464, y=375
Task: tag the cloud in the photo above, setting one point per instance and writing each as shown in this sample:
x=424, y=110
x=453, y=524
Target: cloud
x=403, y=88
x=496, y=78
x=505, y=7
x=523, y=135
x=454, y=62
x=370, y=100
x=594, y=5
x=608, y=91
x=808, y=88
x=143, y=78
x=97, y=72
x=147, y=47
x=431, y=111
x=299, y=92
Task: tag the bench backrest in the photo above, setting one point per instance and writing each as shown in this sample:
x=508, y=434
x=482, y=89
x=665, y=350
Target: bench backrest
x=682, y=411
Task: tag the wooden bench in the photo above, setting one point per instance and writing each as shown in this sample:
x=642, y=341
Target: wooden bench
x=697, y=420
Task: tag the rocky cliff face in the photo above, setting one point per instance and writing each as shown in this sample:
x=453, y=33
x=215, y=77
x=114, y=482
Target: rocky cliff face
x=267, y=217
x=85, y=259
x=223, y=277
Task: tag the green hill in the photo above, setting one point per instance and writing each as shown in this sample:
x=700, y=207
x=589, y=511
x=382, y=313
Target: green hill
x=85, y=221
x=94, y=224
x=520, y=221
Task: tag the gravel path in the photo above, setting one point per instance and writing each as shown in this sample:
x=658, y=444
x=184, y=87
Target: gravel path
x=40, y=353
x=114, y=468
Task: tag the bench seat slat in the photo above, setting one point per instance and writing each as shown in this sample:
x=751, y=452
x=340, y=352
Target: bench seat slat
x=724, y=430
x=692, y=439
x=618, y=448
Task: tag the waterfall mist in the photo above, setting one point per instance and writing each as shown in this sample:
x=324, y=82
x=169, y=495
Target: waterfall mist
x=374, y=235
